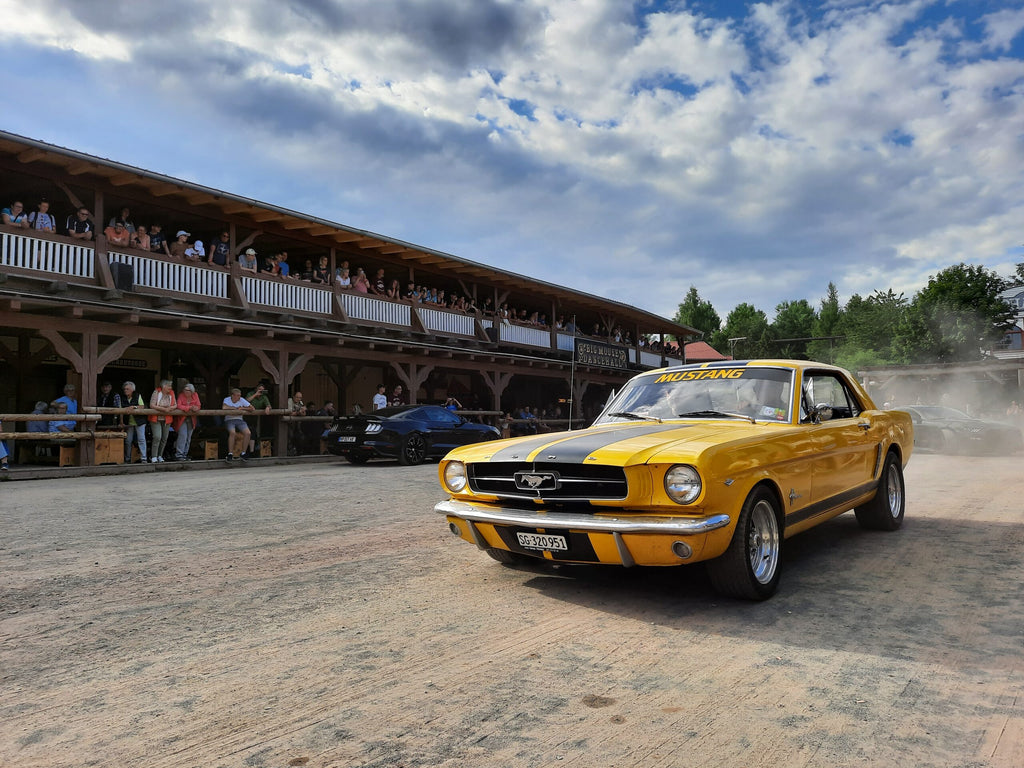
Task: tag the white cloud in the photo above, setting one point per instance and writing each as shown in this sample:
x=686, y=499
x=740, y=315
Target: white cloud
x=756, y=158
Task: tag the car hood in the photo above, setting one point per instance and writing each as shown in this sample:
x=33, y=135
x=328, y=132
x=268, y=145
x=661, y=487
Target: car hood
x=618, y=444
x=972, y=425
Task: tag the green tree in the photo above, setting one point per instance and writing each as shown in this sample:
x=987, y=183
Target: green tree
x=869, y=327
x=826, y=324
x=957, y=316
x=750, y=329
x=793, y=320
x=698, y=313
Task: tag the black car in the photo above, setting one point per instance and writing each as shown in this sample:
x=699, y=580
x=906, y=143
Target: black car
x=410, y=433
x=948, y=430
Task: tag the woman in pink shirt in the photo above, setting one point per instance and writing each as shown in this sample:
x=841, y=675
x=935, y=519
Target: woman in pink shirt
x=361, y=284
x=185, y=425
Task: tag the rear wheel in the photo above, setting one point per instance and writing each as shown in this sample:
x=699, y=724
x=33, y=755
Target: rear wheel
x=885, y=511
x=413, y=449
x=749, y=568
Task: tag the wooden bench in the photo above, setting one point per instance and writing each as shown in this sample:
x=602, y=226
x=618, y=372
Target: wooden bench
x=109, y=446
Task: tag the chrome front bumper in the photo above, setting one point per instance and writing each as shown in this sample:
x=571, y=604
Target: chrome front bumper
x=673, y=526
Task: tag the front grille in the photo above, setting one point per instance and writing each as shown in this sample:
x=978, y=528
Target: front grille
x=571, y=482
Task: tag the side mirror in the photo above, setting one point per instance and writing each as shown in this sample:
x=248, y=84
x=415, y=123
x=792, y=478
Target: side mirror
x=822, y=412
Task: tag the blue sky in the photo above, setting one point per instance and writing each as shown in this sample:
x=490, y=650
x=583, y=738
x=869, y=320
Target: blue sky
x=754, y=150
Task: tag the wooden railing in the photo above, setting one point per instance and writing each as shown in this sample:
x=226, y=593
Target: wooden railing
x=174, y=276
x=61, y=257
x=360, y=306
x=446, y=322
x=55, y=255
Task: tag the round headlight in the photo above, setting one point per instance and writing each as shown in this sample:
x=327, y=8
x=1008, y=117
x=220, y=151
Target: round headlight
x=682, y=484
x=455, y=476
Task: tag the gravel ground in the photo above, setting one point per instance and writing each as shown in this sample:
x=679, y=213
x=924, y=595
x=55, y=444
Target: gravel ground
x=322, y=615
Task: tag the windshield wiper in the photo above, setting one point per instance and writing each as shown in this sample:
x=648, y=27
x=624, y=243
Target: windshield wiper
x=716, y=415
x=636, y=416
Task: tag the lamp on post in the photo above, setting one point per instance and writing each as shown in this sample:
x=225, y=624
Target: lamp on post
x=732, y=345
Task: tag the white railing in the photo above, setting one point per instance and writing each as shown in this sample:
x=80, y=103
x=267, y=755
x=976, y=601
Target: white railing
x=359, y=306
x=171, y=276
x=673, y=361
x=46, y=255
x=650, y=359
x=518, y=334
x=632, y=355
x=566, y=343
x=446, y=322
x=287, y=295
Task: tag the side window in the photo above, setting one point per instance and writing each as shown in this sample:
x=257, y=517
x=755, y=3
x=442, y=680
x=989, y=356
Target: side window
x=828, y=389
x=442, y=417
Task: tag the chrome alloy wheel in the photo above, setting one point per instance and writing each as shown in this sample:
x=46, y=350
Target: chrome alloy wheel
x=763, y=542
x=894, y=490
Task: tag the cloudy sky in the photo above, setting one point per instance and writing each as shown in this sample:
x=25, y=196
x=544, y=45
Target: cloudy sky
x=627, y=149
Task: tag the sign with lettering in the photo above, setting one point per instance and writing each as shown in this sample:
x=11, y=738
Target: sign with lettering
x=604, y=355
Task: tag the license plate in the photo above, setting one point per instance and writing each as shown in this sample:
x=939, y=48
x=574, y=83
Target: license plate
x=542, y=541
x=349, y=439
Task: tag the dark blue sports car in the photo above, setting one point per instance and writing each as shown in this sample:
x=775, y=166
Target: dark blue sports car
x=410, y=433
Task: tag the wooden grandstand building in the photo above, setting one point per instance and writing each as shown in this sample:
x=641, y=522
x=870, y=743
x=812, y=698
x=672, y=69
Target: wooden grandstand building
x=71, y=311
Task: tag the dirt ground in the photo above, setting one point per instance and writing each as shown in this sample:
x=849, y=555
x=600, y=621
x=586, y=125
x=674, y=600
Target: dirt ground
x=323, y=616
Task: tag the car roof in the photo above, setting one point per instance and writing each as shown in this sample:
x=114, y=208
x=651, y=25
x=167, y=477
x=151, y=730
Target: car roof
x=799, y=365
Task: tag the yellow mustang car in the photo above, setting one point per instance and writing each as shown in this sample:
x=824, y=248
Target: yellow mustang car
x=719, y=462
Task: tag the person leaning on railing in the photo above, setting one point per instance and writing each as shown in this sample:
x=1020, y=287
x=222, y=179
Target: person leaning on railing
x=14, y=215
x=185, y=424
x=134, y=427
x=79, y=225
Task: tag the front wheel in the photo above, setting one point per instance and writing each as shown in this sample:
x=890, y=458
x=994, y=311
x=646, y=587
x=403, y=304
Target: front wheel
x=505, y=557
x=413, y=450
x=885, y=511
x=749, y=568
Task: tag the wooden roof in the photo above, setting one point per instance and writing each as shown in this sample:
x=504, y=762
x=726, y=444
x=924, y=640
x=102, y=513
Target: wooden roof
x=18, y=153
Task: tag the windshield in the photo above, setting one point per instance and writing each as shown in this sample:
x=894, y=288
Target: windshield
x=761, y=394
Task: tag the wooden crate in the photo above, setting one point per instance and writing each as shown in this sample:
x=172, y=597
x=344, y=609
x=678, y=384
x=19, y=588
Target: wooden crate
x=266, y=448
x=109, y=450
x=68, y=455
x=211, y=449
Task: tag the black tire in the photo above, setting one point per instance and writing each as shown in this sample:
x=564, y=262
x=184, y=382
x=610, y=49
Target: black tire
x=885, y=511
x=413, y=450
x=750, y=567
x=947, y=444
x=505, y=557
x=357, y=458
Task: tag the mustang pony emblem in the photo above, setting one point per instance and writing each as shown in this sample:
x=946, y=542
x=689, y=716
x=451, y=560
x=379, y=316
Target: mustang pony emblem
x=536, y=481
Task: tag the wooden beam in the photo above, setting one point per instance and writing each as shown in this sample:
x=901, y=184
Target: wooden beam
x=347, y=237
x=266, y=216
x=234, y=208
x=30, y=155
x=318, y=231
x=394, y=249
x=123, y=180
x=165, y=190
x=79, y=168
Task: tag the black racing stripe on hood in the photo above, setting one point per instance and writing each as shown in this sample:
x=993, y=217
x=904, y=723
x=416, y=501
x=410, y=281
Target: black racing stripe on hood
x=576, y=449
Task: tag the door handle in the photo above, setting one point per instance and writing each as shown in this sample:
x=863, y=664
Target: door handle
x=865, y=425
